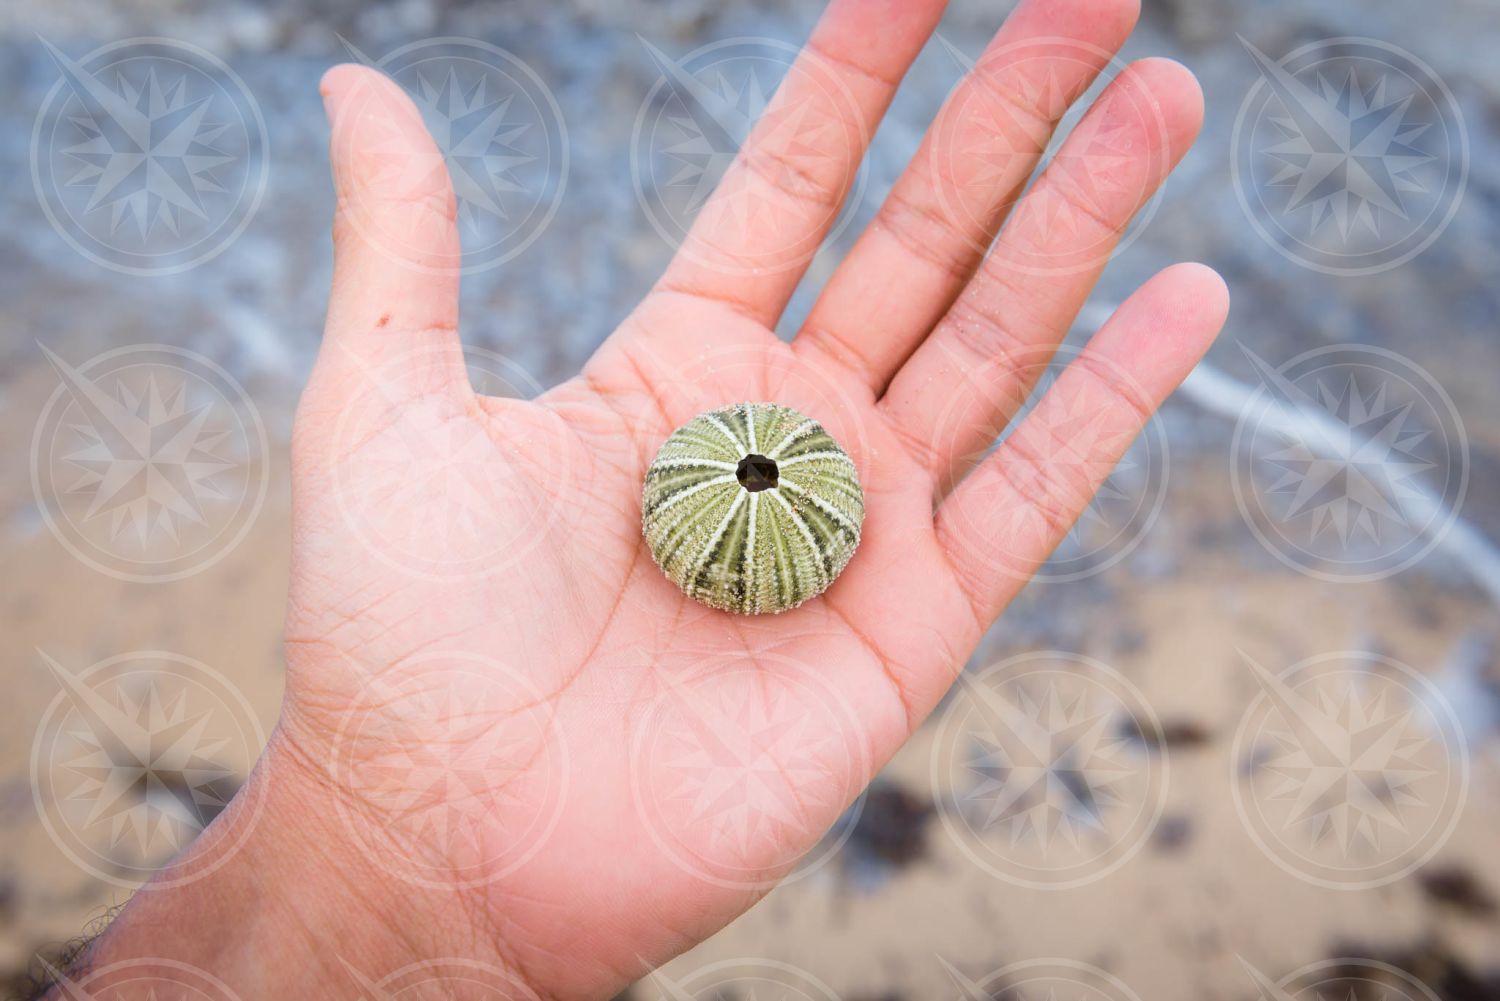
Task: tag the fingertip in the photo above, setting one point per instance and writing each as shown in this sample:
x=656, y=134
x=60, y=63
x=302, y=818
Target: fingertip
x=1183, y=306
x=334, y=77
x=1205, y=288
x=880, y=28
x=1119, y=17
x=1105, y=23
x=379, y=144
x=342, y=82
x=334, y=85
x=1178, y=95
x=1167, y=67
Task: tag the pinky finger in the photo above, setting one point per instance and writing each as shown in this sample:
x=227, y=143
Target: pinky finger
x=1006, y=517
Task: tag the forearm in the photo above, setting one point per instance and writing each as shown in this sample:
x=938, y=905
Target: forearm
x=268, y=901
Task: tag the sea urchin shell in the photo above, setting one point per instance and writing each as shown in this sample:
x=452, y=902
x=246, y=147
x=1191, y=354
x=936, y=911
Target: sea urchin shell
x=753, y=508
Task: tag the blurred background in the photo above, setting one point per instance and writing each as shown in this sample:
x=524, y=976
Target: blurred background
x=1277, y=627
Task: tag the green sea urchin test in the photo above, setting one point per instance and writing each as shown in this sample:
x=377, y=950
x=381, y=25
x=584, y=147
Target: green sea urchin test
x=753, y=508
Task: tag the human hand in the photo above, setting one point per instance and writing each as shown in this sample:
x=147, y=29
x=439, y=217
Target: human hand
x=481, y=654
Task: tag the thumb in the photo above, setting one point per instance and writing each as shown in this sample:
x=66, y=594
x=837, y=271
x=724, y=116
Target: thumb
x=392, y=322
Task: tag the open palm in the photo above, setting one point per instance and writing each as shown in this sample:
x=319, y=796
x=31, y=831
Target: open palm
x=534, y=739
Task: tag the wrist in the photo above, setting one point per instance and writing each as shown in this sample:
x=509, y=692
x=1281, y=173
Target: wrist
x=311, y=879
x=360, y=922
x=271, y=899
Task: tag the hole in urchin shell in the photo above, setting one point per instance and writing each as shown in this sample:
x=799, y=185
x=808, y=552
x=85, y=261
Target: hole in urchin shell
x=756, y=472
